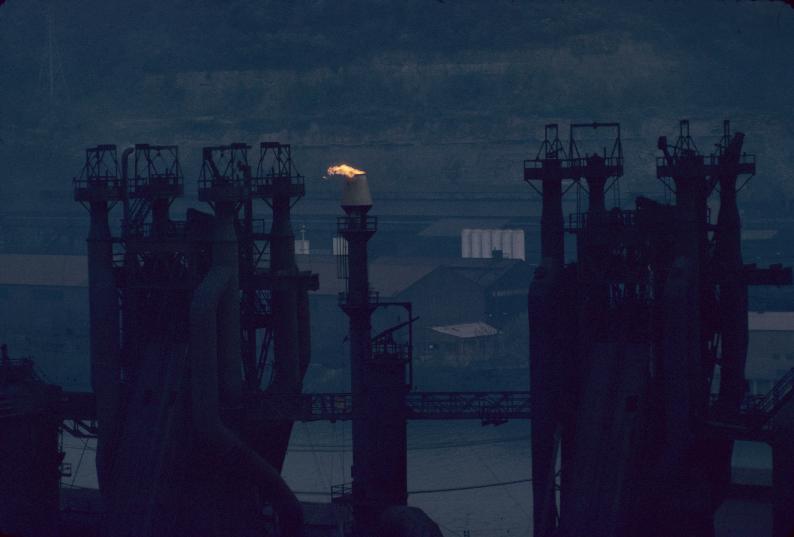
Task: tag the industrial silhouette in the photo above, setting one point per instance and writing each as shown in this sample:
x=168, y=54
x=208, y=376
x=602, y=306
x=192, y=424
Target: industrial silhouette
x=200, y=336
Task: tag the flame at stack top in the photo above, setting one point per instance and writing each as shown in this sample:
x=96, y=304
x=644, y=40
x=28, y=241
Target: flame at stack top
x=355, y=195
x=343, y=169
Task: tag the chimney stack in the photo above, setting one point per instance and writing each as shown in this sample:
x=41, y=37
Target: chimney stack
x=356, y=197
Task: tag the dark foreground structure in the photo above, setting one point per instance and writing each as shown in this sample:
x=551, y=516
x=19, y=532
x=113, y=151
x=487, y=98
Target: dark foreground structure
x=200, y=338
x=629, y=424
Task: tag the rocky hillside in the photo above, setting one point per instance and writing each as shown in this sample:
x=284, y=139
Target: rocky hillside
x=426, y=94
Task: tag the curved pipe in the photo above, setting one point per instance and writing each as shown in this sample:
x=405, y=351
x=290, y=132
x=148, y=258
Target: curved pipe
x=244, y=462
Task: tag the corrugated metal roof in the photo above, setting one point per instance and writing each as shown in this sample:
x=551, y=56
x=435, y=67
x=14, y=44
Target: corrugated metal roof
x=387, y=276
x=484, y=272
x=44, y=270
x=467, y=330
x=758, y=234
x=452, y=227
x=771, y=321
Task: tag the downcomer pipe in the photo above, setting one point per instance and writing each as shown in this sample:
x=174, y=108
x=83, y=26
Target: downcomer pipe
x=104, y=337
x=223, y=443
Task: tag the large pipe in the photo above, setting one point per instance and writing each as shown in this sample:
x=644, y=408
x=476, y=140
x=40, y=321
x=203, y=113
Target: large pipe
x=206, y=354
x=356, y=202
x=732, y=315
x=552, y=238
x=545, y=372
x=225, y=254
x=286, y=366
x=304, y=331
x=733, y=289
x=358, y=310
x=288, y=331
x=104, y=338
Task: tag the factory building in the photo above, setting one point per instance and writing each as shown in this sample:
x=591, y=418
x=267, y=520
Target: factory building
x=446, y=291
x=770, y=354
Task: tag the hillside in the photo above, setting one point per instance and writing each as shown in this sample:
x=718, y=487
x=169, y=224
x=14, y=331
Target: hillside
x=426, y=94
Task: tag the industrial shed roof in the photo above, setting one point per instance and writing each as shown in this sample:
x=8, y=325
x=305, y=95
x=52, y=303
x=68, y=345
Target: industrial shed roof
x=771, y=321
x=387, y=276
x=758, y=234
x=486, y=272
x=452, y=227
x=467, y=330
x=44, y=270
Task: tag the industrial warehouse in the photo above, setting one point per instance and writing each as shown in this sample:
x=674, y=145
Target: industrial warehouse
x=201, y=337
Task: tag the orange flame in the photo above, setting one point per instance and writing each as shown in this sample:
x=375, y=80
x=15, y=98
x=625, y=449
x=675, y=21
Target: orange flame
x=344, y=169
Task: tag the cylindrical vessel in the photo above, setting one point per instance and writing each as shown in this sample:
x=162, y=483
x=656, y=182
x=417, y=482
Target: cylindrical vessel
x=104, y=333
x=225, y=254
x=286, y=377
x=506, y=242
x=465, y=243
x=476, y=243
x=518, y=248
x=487, y=245
x=552, y=238
x=496, y=239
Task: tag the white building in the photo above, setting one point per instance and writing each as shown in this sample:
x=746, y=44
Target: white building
x=771, y=351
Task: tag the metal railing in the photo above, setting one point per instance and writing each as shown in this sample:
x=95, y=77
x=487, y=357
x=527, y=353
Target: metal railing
x=773, y=401
x=488, y=407
x=391, y=350
x=173, y=229
x=352, y=224
x=757, y=412
x=578, y=221
x=145, y=185
x=341, y=492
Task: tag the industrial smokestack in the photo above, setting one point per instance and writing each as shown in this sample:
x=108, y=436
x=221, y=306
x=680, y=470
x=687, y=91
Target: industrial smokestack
x=357, y=228
x=355, y=195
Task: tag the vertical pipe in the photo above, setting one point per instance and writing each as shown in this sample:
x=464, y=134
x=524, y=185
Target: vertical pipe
x=160, y=218
x=286, y=366
x=465, y=244
x=358, y=308
x=544, y=360
x=207, y=332
x=225, y=254
x=104, y=337
x=545, y=373
x=387, y=429
x=552, y=240
x=596, y=198
x=304, y=332
x=249, y=299
x=733, y=290
x=288, y=349
x=732, y=315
